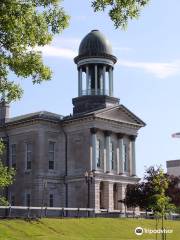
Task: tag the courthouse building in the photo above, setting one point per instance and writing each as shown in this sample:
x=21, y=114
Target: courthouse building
x=85, y=159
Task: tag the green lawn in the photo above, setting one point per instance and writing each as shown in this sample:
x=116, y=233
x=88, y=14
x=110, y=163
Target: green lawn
x=81, y=229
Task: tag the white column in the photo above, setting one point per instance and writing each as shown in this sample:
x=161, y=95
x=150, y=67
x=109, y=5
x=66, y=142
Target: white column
x=79, y=82
x=120, y=144
x=133, y=155
x=121, y=195
x=112, y=88
x=108, y=141
x=94, y=142
x=81, y=85
x=108, y=195
x=87, y=80
x=117, y=160
x=96, y=83
x=104, y=159
x=104, y=80
x=110, y=82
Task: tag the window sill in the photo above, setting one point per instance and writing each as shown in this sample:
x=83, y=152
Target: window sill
x=27, y=171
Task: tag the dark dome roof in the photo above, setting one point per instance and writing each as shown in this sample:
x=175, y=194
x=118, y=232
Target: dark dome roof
x=95, y=43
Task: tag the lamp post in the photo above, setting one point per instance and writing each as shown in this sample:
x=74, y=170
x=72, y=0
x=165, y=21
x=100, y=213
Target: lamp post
x=89, y=179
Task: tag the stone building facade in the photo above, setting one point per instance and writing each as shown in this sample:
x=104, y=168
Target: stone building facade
x=55, y=155
x=173, y=167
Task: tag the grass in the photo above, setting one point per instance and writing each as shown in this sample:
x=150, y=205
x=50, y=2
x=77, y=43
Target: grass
x=82, y=229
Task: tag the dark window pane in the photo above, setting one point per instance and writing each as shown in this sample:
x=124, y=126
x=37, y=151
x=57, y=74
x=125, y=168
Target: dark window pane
x=51, y=156
x=28, y=199
x=28, y=156
x=28, y=165
x=98, y=153
x=12, y=200
x=13, y=155
x=51, y=200
x=112, y=155
x=14, y=165
x=126, y=167
x=51, y=164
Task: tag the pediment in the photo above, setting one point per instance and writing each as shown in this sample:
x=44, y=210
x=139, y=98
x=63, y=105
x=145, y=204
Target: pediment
x=120, y=114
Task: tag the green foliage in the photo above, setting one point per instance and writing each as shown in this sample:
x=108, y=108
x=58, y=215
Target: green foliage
x=6, y=175
x=120, y=11
x=151, y=194
x=23, y=26
x=27, y=24
x=133, y=195
x=177, y=210
x=173, y=190
x=159, y=201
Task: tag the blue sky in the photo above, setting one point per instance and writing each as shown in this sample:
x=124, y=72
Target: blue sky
x=146, y=77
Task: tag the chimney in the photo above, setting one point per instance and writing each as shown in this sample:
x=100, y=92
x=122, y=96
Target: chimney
x=4, y=112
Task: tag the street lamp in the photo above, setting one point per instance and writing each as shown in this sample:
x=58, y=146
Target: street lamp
x=89, y=179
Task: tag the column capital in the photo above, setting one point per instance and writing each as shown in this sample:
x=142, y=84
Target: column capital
x=107, y=133
x=93, y=130
x=132, y=137
x=120, y=135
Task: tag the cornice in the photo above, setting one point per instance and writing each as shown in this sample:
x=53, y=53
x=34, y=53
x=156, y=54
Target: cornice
x=32, y=121
x=93, y=117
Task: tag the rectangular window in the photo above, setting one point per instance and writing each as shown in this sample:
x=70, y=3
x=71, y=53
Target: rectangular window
x=51, y=155
x=28, y=156
x=13, y=155
x=12, y=200
x=125, y=158
x=98, y=153
x=28, y=199
x=51, y=200
x=112, y=155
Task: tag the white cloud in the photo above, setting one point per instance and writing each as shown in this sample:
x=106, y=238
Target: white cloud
x=72, y=43
x=67, y=51
x=50, y=51
x=158, y=69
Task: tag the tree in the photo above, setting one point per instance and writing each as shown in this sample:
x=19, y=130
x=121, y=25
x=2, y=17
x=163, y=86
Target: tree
x=6, y=175
x=133, y=195
x=23, y=26
x=160, y=202
x=140, y=194
x=120, y=11
x=154, y=193
x=30, y=23
x=173, y=190
x=27, y=24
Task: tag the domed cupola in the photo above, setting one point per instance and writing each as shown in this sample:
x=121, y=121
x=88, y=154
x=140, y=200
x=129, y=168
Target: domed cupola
x=95, y=44
x=95, y=64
